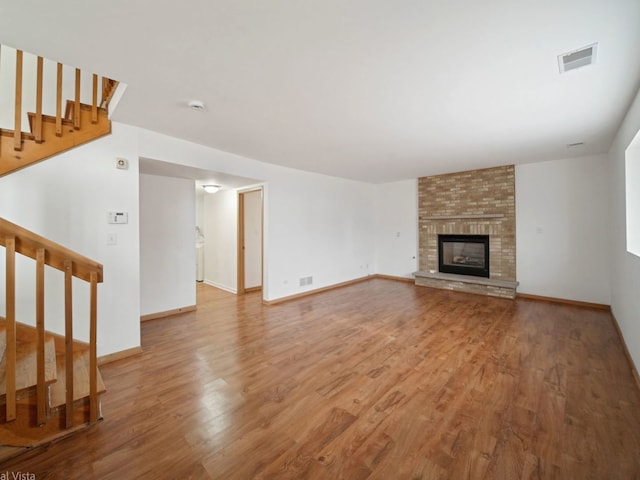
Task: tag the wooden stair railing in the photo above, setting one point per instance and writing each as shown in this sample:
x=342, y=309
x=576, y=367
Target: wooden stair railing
x=18, y=240
x=108, y=89
x=50, y=134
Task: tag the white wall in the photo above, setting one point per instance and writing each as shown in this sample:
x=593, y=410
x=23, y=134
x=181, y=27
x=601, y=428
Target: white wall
x=318, y=226
x=562, y=229
x=396, y=212
x=625, y=267
x=253, y=239
x=220, y=220
x=66, y=199
x=167, y=244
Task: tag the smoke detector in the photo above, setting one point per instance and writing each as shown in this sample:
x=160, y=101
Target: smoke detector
x=577, y=58
x=196, y=105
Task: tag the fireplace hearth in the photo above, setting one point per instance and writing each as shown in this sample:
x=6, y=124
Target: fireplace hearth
x=464, y=255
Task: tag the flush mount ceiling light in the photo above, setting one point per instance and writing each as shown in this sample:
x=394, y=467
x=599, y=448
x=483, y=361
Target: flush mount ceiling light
x=577, y=58
x=196, y=105
x=211, y=188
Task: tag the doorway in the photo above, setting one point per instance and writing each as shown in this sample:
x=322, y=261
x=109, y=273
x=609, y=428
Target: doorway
x=250, y=239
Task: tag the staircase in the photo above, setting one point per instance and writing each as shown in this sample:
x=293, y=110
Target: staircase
x=50, y=135
x=49, y=383
x=25, y=433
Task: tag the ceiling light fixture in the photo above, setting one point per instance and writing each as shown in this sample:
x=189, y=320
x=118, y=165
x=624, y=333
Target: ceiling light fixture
x=196, y=105
x=211, y=188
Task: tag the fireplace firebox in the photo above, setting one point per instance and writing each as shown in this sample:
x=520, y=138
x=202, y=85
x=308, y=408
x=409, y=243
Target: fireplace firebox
x=464, y=254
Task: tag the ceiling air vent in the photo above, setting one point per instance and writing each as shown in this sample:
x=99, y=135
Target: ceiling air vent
x=577, y=58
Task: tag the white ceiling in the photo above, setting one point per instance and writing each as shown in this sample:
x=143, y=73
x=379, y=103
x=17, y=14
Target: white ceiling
x=375, y=90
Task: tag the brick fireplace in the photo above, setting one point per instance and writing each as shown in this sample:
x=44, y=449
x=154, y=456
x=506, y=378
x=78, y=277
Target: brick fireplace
x=476, y=203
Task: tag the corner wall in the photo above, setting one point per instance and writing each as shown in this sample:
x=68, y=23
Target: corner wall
x=396, y=216
x=167, y=244
x=563, y=229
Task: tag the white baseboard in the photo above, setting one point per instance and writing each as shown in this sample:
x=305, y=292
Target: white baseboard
x=220, y=286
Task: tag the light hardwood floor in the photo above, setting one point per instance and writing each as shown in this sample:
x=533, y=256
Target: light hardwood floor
x=378, y=380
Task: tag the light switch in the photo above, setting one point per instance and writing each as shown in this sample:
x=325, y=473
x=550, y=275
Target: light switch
x=112, y=238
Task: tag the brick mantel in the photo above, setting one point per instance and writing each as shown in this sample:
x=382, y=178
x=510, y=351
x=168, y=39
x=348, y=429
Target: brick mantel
x=477, y=202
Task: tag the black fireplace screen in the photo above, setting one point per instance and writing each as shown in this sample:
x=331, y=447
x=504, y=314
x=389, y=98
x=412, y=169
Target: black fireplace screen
x=464, y=254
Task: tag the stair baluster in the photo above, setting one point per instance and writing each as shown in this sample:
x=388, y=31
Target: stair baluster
x=59, y=101
x=76, y=104
x=94, y=103
x=41, y=388
x=10, y=369
x=68, y=340
x=38, y=127
x=93, y=351
x=17, y=130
